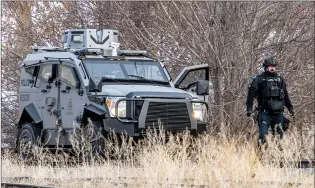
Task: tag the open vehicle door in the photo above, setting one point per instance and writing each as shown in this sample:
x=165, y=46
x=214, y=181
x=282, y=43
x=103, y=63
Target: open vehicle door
x=194, y=79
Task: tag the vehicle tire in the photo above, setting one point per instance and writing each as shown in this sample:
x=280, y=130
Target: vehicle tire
x=95, y=135
x=28, y=137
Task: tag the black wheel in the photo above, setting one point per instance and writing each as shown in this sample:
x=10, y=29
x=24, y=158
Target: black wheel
x=95, y=135
x=29, y=136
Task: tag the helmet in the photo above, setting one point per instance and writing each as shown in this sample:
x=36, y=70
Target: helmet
x=270, y=61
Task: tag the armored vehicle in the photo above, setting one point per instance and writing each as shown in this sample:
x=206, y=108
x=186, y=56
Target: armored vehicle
x=92, y=80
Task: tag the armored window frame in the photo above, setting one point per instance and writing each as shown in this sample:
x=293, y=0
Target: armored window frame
x=30, y=70
x=53, y=73
x=65, y=37
x=77, y=40
x=75, y=79
x=33, y=70
x=167, y=73
x=123, y=65
x=41, y=71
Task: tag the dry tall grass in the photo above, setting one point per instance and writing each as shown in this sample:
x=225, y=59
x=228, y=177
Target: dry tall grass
x=174, y=161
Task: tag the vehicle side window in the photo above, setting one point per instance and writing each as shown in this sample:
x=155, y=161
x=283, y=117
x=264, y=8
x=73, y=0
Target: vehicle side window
x=45, y=72
x=193, y=77
x=30, y=70
x=67, y=75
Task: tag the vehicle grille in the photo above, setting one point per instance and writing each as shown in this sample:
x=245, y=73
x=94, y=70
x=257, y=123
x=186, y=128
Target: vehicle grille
x=173, y=116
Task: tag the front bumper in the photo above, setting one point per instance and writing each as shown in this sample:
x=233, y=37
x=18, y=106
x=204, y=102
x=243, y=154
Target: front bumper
x=131, y=129
x=175, y=115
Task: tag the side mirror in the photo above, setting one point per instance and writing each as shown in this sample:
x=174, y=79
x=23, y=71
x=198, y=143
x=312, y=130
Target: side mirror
x=95, y=84
x=202, y=87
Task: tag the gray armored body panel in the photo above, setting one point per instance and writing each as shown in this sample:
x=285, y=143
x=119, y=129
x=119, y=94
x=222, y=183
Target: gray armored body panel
x=105, y=40
x=123, y=91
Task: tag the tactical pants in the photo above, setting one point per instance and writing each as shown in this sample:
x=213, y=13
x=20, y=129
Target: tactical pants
x=268, y=121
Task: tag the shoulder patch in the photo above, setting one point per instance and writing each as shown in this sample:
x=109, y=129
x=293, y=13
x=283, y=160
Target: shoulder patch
x=254, y=82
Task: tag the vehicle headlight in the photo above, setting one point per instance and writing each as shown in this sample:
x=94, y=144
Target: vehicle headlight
x=197, y=111
x=111, y=103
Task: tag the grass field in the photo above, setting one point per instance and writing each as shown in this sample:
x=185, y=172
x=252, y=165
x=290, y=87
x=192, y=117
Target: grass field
x=181, y=161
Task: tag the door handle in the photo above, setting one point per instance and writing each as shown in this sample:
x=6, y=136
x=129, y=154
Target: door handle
x=44, y=90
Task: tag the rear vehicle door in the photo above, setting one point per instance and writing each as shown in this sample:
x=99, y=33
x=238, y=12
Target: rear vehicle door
x=71, y=100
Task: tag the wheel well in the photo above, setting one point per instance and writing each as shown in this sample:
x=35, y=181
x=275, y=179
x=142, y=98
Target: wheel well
x=26, y=118
x=89, y=114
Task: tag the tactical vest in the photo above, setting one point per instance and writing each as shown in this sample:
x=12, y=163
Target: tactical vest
x=271, y=94
x=272, y=88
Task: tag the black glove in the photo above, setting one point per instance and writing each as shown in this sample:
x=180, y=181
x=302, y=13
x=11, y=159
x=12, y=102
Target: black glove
x=249, y=113
x=291, y=110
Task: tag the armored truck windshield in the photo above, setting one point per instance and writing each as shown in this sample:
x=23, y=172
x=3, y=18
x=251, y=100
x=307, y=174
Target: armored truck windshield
x=126, y=70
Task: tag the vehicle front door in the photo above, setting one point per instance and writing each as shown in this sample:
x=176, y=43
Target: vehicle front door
x=188, y=79
x=71, y=100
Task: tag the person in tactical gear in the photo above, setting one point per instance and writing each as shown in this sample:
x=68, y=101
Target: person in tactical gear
x=270, y=91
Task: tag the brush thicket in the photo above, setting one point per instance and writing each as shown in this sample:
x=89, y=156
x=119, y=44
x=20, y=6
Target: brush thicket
x=164, y=160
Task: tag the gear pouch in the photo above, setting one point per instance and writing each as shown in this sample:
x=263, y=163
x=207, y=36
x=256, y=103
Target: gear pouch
x=275, y=106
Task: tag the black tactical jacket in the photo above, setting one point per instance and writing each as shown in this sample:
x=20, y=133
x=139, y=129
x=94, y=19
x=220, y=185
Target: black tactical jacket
x=257, y=89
